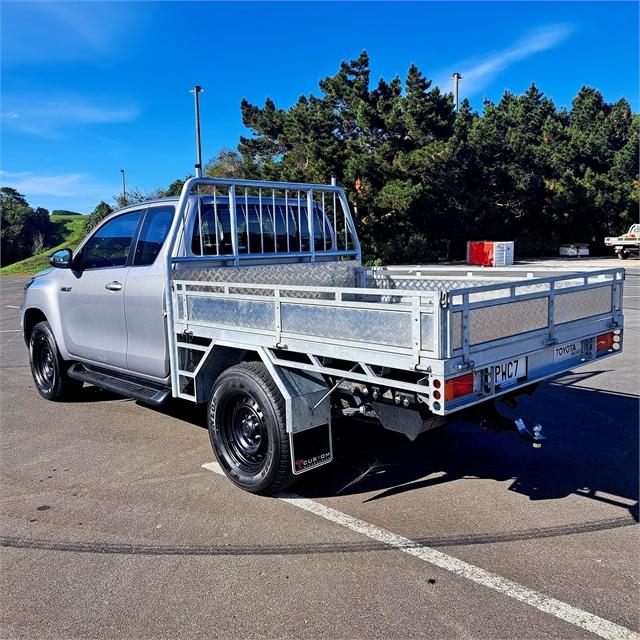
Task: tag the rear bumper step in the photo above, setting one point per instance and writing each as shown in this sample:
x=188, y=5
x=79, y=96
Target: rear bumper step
x=141, y=390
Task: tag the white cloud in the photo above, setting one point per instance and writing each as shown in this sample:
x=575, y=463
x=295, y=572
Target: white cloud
x=49, y=116
x=76, y=185
x=477, y=73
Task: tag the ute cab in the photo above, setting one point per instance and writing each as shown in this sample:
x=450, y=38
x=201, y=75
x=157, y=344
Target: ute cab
x=251, y=297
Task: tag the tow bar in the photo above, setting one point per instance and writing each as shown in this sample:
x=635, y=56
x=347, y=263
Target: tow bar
x=490, y=418
x=534, y=436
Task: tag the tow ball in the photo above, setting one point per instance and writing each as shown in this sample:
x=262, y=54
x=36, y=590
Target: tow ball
x=534, y=436
x=490, y=418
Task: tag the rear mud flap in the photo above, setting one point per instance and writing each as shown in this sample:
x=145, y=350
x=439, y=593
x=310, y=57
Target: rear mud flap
x=311, y=448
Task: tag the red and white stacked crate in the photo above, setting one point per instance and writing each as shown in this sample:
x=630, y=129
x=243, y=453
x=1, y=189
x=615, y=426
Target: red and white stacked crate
x=490, y=253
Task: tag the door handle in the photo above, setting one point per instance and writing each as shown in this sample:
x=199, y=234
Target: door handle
x=65, y=289
x=113, y=286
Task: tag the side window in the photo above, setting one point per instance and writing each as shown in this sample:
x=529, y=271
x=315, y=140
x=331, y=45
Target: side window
x=253, y=234
x=269, y=225
x=152, y=235
x=266, y=242
x=299, y=236
x=322, y=230
x=216, y=231
x=109, y=246
x=284, y=229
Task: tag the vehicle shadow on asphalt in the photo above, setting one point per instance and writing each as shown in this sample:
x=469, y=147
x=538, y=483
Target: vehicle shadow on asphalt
x=195, y=414
x=90, y=394
x=591, y=451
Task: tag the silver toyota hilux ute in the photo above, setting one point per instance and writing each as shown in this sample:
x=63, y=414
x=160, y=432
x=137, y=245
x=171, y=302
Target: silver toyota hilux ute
x=251, y=297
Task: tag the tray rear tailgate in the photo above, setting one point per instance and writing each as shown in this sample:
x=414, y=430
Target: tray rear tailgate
x=532, y=314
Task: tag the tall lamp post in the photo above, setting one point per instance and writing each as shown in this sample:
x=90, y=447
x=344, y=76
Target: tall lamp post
x=456, y=79
x=124, y=189
x=197, y=90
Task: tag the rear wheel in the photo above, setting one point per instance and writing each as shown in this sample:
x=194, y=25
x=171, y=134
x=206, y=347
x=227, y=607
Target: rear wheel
x=247, y=428
x=623, y=254
x=47, y=367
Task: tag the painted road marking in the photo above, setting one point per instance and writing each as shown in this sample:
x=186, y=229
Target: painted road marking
x=11, y=306
x=9, y=330
x=213, y=466
x=577, y=617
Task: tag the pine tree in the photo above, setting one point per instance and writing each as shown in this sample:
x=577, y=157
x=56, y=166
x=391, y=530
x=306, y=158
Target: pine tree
x=422, y=179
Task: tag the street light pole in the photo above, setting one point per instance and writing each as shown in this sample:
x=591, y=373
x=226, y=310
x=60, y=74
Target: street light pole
x=456, y=79
x=197, y=90
x=124, y=189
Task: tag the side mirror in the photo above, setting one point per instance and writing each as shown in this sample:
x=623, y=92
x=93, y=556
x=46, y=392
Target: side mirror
x=61, y=259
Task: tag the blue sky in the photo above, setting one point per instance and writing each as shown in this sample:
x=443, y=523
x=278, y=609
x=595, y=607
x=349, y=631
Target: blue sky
x=89, y=87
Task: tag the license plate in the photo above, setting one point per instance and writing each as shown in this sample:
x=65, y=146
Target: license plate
x=567, y=351
x=510, y=371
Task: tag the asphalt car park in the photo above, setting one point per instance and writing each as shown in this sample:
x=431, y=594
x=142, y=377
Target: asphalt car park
x=117, y=524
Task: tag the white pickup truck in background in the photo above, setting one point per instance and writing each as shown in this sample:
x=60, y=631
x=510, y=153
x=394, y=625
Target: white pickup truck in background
x=627, y=243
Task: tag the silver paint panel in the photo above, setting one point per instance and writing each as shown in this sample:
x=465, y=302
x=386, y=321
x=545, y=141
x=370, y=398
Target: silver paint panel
x=503, y=320
x=582, y=304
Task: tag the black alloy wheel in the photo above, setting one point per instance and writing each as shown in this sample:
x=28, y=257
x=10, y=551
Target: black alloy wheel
x=47, y=367
x=247, y=429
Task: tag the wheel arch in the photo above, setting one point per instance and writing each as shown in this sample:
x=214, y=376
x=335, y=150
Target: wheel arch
x=41, y=303
x=32, y=316
x=305, y=393
x=219, y=359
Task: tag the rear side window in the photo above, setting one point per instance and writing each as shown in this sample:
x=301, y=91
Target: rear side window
x=109, y=246
x=282, y=230
x=216, y=231
x=152, y=235
x=279, y=232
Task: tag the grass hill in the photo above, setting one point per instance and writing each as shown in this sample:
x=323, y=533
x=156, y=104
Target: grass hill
x=67, y=231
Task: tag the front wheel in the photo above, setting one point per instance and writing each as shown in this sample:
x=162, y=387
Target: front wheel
x=247, y=428
x=47, y=367
x=623, y=254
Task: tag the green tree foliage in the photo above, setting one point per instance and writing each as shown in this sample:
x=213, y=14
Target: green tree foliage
x=64, y=212
x=174, y=189
x=135, y=195
x=23, y=229
x=228, y=163
x=423, y=179
x=101, y=211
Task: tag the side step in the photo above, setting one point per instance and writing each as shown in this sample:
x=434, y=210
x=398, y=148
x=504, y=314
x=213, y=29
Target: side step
x=141, y=390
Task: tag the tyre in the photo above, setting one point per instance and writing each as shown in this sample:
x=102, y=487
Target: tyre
x=47, y=367
x=246, y=419
x=623, y=255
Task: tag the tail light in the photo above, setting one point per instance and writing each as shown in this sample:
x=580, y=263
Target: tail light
x=609, y=341
x=604, y=342
x=457, y=387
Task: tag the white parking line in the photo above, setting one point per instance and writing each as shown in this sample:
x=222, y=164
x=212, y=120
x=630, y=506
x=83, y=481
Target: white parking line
x=11, y=306
x=9, y=330
x=577, y=617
